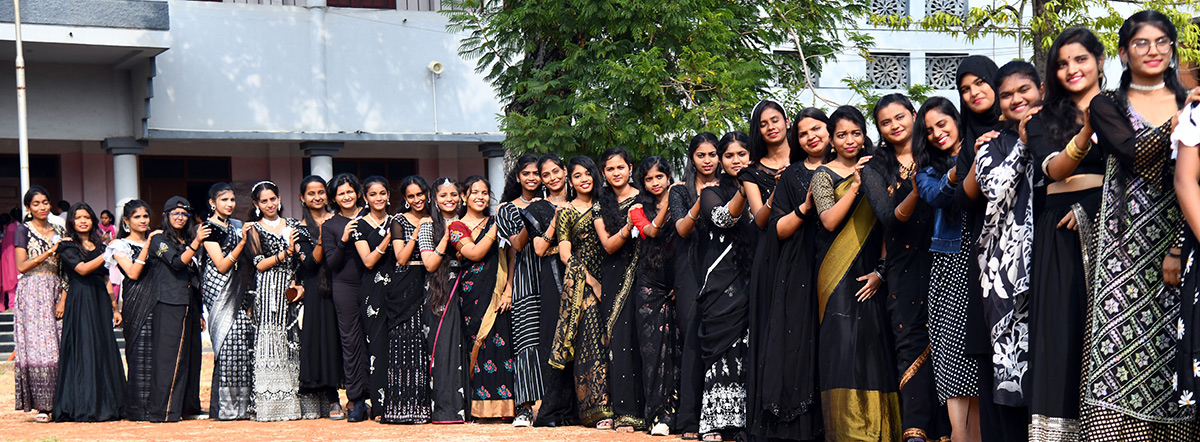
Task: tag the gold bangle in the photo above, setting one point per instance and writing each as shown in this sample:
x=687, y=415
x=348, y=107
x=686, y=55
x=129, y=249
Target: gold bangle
x=1074, y=151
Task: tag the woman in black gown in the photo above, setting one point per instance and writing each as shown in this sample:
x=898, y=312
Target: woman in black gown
x=1063, y=227
x=785, y=401
x=320, y=349
x=617, y=273
x=655, y=323
x=558, y=397
x=343, y=264
x=701, y=171
x=889, y=181
x=90, y=375
x=442, y=319
x=129, y=253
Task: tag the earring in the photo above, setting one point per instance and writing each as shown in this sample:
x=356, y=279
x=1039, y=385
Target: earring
x=212, y=208
x=257, y=212
x=406, y=205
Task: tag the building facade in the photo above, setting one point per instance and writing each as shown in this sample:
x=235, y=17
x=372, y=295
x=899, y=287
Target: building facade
x=149, y=99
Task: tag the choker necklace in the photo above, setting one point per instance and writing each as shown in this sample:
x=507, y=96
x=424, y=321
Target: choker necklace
x=522, y=197
x=1144, y=88
x=272, y=224
x=222, y=219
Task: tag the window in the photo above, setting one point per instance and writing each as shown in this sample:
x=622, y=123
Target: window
x=940, y=70
x=957, y=8
x=393, y=170
x=888, y=71
x=43, y=171
x=889, y=7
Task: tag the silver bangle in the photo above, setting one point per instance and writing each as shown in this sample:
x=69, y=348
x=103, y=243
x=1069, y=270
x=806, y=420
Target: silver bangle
x=138, y=261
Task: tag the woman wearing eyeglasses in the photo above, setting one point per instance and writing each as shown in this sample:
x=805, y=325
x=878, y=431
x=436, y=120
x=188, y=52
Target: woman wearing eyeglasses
x=1134, y=322
x=175, y=379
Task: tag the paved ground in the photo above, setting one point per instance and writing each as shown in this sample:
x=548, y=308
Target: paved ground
x=16, y=425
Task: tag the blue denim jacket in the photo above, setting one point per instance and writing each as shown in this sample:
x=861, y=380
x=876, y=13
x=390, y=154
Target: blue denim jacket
x=947, y=217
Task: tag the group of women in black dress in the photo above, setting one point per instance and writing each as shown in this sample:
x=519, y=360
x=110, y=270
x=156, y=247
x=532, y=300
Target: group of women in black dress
x=1013, y=268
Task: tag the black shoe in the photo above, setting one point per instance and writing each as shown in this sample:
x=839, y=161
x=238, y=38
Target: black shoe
x=360, y=412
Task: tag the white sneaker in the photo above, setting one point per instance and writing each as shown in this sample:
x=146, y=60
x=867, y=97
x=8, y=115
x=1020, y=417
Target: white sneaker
x=523, y=418
x=660, y=429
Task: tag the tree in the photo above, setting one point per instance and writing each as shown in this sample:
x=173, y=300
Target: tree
x=579, y=76
x=1047, y=18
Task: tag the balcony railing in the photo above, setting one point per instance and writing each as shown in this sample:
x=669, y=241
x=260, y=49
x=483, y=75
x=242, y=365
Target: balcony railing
x=401, y=5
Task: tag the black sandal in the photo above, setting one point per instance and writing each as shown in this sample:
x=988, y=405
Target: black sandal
x=336, y=413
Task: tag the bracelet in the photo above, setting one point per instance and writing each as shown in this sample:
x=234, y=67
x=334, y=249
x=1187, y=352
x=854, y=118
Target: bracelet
x=439, y=252
x=380, y=251
x=880, y=275
x=1172, y=254
x=656, y=226
x=1074, y=151
x=193, y=249
x=689, y=215
x=138, y=261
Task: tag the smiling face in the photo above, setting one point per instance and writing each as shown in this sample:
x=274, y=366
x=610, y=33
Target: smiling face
x=346, y=197
x=268, y=203
x=616, y=171
x=895, y=123
x=39, y=207
x=705, y=159
x=1149, y=52
x=582, y=180
x=1078, y=71
x=530, y=179
x=978, y=94
x=656, y=181
x=223, y=203
x=848, y=139
x=735, y=158
x=416, y=198
x=813, y=135
x=478, y=196
x=553, y=177
x=772, y=125
x=314, y=196
x=377, y=197
x=1018, y=95
x=447, y=199
x=940, y=130
x=140, y=220
x=82, y=222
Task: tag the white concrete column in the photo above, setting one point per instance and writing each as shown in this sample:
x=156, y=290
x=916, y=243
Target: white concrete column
x=126, y=180
x=318, y=78
x=320, y=157
x=494, y=153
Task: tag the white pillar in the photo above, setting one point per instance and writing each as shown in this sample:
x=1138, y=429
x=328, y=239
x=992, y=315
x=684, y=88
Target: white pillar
x=320, y=157
x=494, y=153
x=124, y=153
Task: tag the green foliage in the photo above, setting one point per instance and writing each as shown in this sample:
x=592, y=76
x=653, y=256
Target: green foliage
x=578, y=76
x=1045, y=19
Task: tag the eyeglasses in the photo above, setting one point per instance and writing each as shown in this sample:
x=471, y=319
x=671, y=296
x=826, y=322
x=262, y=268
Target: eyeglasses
x=1141, y=46
x=183, y=215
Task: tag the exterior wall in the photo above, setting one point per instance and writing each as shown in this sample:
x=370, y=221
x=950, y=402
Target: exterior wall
x=68, y=102
x=294, y=71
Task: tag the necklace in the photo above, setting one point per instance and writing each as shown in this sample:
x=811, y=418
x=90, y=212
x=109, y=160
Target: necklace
x=271, y=223
x=522, y=197
x=1144, y=88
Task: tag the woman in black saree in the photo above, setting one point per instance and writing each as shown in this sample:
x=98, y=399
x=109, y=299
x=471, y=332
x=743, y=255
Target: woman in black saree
x=129, y=254
x=442, y=319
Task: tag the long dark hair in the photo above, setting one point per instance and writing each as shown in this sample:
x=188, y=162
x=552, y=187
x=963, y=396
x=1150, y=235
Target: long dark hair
x=610, y=209
x=339, y=180
x=512, y=179
x=34, y=190
x=797, y=153
x=590, y=166
x=93, y=235
x=421, y=184
x=855, y=116
x=127, y=213
x=214, y=191
x=1059, y=113
x=1132, y=25
x=439, y=282
x=465, y=189
x=689, y=171
x=928, y=155
x=653, y=249
x=366, y=185
x=557, y=160
x=885, y=161
x=1016, y=68
x=309, y=223
x=723, y=144
x=757, y=146
x=256, y=191
x=185, y=234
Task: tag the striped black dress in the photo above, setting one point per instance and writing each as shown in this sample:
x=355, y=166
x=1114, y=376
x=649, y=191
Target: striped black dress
x=526, y=310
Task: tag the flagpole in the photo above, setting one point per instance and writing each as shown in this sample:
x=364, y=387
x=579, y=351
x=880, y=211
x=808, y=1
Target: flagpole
x=22, y=118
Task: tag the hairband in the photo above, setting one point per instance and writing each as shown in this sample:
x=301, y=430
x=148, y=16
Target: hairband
x=255, y=186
